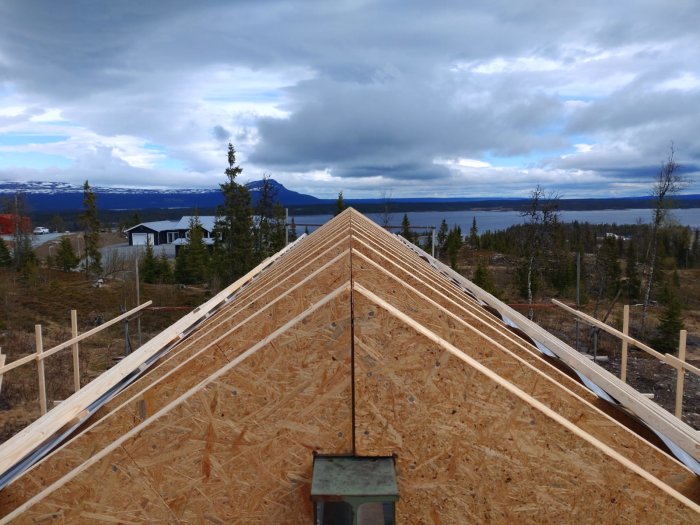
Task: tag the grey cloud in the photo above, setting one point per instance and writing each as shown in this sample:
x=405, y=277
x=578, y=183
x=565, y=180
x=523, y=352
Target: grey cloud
x=220, y=133
x=384, y=99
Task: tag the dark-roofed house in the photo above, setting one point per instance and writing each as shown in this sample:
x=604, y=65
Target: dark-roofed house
x=168, y=232
x=154, y=233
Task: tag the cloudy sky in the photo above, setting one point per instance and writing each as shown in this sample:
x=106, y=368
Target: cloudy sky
x=452, y=98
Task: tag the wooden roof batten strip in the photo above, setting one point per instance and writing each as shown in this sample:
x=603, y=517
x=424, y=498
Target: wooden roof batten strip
x=655, y=417
x=181, y=399
x=624, y=462
x=74, y=409
x=378, y=284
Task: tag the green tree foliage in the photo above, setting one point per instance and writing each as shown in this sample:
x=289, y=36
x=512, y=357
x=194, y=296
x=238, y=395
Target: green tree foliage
x=441, y=238
x=192, y=262
x=5, y=257
x=269, y=218
x=668, y=182
x=474, y=235
x=66, y=259
x=234, y=255
x=339, y=204
x=607, y=270
x=90, y=222
x=670, y=322
x=406, y=228
x=148, y=266
x=293, y=235
x=453, y=245
x=156, y=270
x=632, y=284
x=483, y=278
x=165, y=271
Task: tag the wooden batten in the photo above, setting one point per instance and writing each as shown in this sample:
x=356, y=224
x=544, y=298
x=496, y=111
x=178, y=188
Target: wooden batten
x=521, y=368
x=211, y=348
x=236, y=449
x=350, y=343
x=472, y=448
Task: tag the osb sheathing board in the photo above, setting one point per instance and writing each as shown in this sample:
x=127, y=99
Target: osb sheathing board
x=404, y=263
x=238, y=450
x=469, y=450
x=500, y=358
x=223, y=342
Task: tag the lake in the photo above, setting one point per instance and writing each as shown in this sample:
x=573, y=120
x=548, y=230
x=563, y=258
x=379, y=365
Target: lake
x=500, y=220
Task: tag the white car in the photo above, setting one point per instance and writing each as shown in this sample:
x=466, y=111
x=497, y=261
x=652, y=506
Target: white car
x=40, y=230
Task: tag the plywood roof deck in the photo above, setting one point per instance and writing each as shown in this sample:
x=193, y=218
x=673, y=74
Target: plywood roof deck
x=352, y=343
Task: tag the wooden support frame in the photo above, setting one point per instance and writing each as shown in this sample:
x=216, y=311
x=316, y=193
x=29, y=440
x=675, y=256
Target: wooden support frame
x=680, y=380
x=652, y=414
x=73, y=409
x=75, y=349
x=40, y=368
x=391, y=408
x=625, y=331
x=133, y=438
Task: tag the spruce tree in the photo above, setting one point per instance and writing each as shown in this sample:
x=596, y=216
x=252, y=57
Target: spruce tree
x=66, y=259
x=192, y=263
x=474, y=235
x=293, y=236
x=339, y=204
x=149, y=265
x=91, y=226
x=234, y=226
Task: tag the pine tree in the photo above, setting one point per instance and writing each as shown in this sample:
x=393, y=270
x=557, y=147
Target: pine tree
x=165, y=272
x=339, y=204
x=91, y=226
x=474, y=235
x=66, y=259
x=149, y=265
x=293, y=236
x=482, y=277
x=453, y=245
x=442, y=238
x=192, y=263
x=406, y=228
x=234, y=226
x=670, y=322
x=633, y=284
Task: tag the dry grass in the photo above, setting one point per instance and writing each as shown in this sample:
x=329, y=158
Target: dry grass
x=47, y=300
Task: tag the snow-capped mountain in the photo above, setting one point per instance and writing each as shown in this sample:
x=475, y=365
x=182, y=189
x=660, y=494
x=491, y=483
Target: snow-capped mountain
x=60, y=196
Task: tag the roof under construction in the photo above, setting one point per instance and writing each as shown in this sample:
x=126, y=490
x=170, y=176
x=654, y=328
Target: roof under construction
x=352, y=342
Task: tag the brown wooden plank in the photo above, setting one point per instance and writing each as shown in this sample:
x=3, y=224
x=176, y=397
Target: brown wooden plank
x=224, y=342
x=469, y=450
x=238, y=450
x=507, y=359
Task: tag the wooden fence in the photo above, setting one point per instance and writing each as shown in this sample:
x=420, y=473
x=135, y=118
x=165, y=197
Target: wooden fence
x=40, y=354
x=679, y=363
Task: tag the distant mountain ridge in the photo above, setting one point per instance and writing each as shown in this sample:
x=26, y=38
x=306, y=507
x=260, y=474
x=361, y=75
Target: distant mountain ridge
x=55, y=197
x=62, y=196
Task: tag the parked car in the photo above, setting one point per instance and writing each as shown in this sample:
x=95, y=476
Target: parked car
x=40, y=230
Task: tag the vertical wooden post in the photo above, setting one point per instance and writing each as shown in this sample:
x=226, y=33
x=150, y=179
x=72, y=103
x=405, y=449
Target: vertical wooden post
x=138, y=300
x=680, y=380
x=625, y=330
x=2, y=363
x=40, y=368
x=76, y=355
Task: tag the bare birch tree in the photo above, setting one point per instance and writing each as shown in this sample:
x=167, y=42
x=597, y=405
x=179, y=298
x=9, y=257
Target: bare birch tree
x=668, y=182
